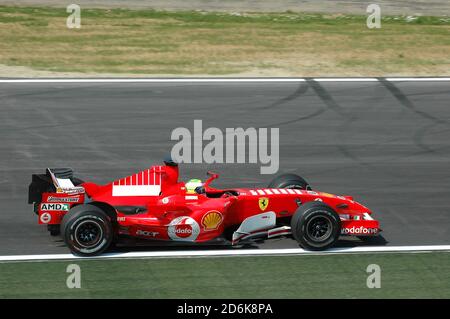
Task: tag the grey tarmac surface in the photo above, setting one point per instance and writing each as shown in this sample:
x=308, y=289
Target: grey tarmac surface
x=385, y=143
x=388, y=7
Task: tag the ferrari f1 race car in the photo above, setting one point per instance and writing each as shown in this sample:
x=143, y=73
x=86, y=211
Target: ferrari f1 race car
x=153, y=204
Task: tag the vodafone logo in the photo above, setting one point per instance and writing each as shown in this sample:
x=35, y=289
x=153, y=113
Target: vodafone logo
x=183, y=231
x=183, y=228
x=359, y=231
x=46, y=218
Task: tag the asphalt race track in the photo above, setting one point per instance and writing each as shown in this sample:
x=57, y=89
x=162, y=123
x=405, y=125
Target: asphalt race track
x=385, y=143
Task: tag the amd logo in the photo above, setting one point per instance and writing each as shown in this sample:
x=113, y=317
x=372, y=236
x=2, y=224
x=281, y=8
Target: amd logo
x=52, y=207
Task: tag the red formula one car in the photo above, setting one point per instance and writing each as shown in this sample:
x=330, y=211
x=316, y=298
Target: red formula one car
x=153, y=204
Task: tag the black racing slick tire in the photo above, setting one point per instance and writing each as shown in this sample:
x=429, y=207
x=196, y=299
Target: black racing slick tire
x=76, y=181
x=316, y=226
x=54, y=230
x=87, y=230
x=289, y=181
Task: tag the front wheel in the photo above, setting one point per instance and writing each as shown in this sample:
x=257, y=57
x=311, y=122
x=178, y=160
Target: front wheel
x=289, y=181
x=316, y=226
x=87, y=230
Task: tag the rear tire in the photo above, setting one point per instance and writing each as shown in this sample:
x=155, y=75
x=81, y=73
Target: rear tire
x=289, y=181
x=54, y=230
x=87, y=230
x=76, y=181
x=316, y=226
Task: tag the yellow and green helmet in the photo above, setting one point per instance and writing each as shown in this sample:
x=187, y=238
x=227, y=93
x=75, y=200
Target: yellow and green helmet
x=192, y=184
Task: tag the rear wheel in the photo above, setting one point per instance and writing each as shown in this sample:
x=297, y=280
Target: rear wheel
x=54, y=230
x=289, y=181
x=76, y=181
x=316, y=226
x=87, y=230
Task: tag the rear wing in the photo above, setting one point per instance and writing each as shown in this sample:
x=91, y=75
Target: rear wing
x=55, y=180
x=63, y=183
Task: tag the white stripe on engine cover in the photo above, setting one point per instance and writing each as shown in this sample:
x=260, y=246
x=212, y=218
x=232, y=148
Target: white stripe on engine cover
x=136, y=190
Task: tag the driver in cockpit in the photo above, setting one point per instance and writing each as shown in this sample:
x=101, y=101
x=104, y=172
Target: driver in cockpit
x=192, y=185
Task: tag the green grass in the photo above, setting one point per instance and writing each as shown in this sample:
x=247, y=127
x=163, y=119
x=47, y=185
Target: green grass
x=421, y=275
x=153, y=42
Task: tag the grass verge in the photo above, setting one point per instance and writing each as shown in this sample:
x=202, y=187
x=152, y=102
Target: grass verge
x=417, y=275
x=148, y=42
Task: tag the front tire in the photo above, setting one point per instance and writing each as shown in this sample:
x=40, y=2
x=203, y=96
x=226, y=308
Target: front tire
x=289, y=181
x=316, y=226
x=87, y=230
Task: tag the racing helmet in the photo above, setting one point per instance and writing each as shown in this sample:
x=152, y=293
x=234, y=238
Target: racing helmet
x=192, y=184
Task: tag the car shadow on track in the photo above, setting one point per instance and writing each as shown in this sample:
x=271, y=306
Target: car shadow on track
x=362, y=241
x=285, y=243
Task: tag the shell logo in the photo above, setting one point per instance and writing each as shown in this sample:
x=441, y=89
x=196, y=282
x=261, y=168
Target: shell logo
x=212, y=220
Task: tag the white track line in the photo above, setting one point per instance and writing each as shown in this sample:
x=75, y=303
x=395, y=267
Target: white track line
x=146, y=80
x=415, y=79
x=231, y=252
x=219, y=80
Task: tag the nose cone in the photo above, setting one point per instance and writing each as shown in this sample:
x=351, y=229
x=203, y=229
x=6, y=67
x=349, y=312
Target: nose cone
x=358, y=207
x=347, y=204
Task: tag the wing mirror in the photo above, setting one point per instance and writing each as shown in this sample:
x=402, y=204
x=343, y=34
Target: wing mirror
x=212, y=176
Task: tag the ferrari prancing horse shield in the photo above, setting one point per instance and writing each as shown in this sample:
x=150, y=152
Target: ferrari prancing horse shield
x=263, y=203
